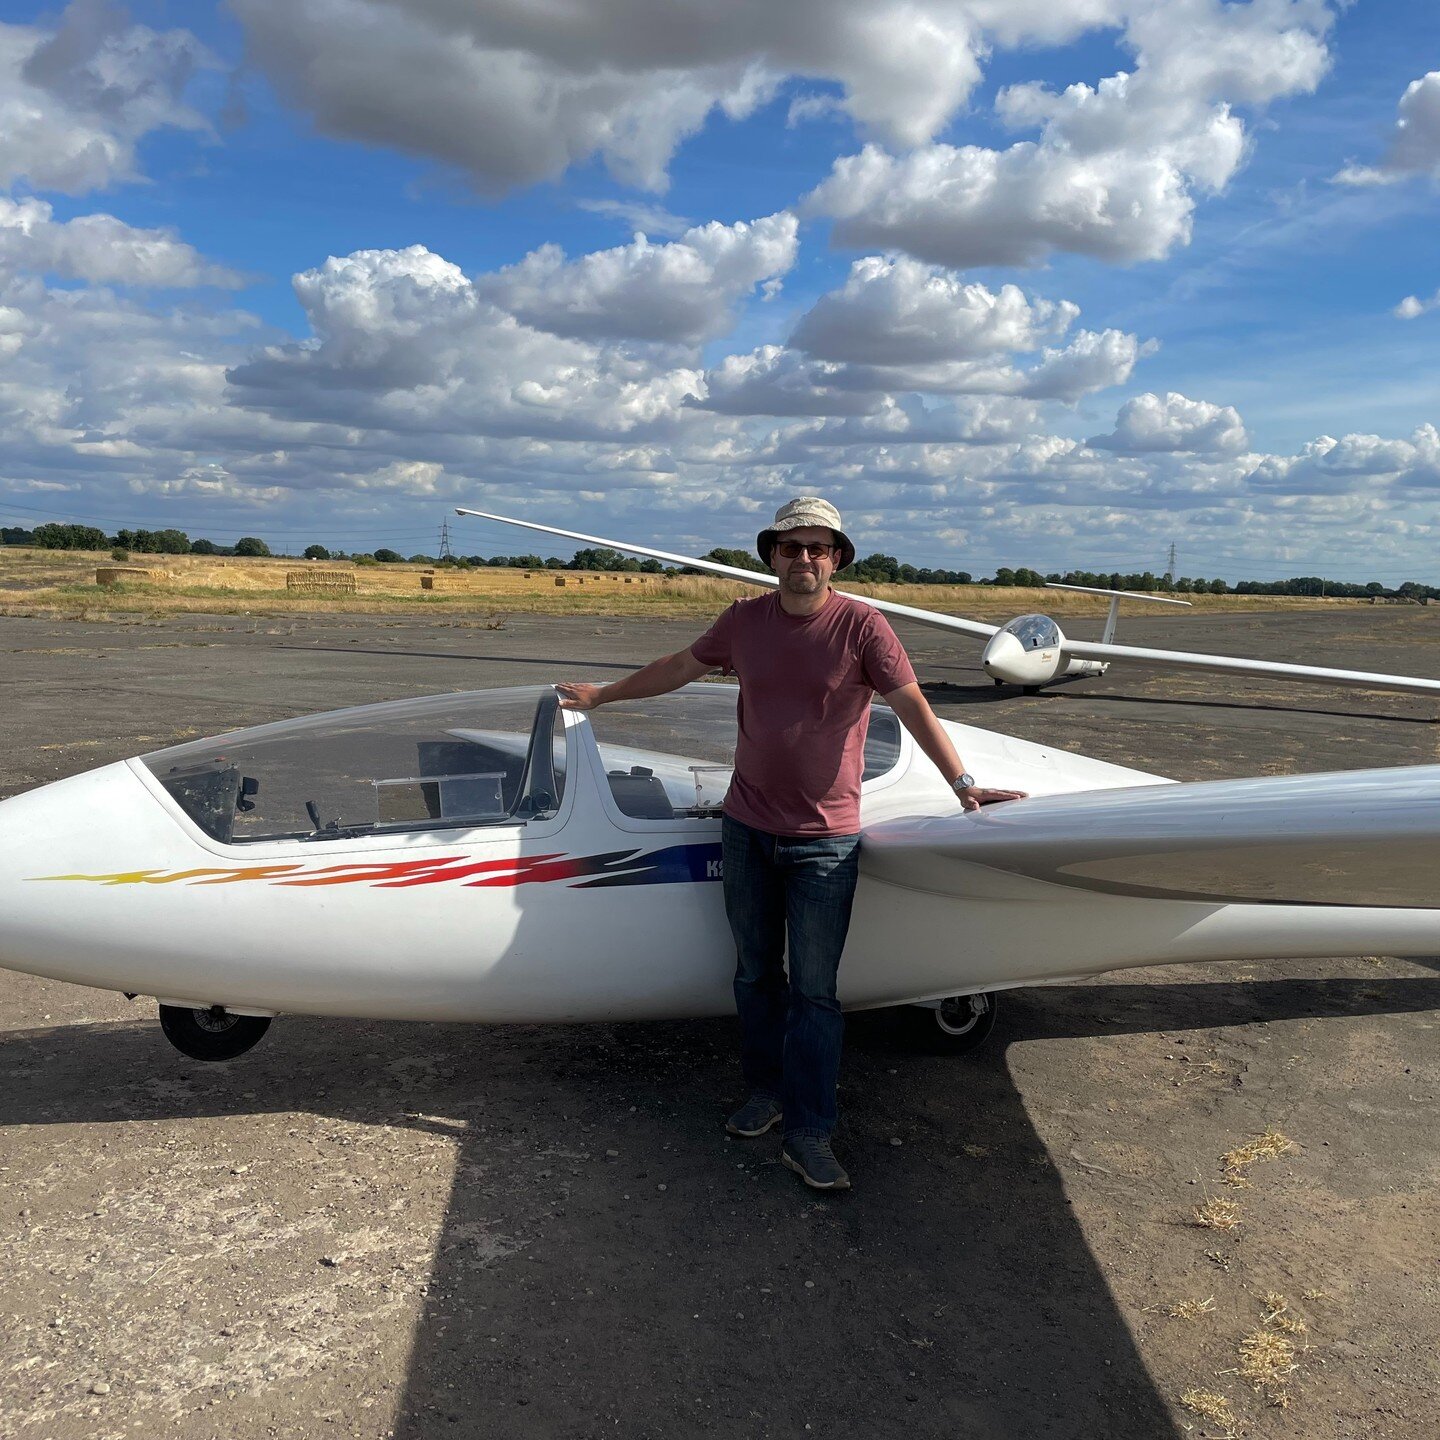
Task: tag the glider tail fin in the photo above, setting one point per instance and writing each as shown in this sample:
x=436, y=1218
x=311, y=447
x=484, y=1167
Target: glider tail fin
x=1116, y=596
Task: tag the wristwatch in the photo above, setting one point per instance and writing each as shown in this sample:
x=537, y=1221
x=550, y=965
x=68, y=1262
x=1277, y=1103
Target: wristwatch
x=963, y=781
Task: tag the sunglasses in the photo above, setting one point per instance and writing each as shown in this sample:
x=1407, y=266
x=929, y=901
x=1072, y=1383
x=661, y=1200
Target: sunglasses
x=793, y=549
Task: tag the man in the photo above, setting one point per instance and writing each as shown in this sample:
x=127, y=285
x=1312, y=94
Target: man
x=809, y=660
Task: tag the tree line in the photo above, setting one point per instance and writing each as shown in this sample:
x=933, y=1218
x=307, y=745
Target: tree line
x=139, y=542
x=878, y=569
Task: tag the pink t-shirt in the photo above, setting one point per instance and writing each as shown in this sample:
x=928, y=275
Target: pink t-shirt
x=805, y=687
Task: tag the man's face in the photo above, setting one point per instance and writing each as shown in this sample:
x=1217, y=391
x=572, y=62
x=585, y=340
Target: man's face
x=806, y=572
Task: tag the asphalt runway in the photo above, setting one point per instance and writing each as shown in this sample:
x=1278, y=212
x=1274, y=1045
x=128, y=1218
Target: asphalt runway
x=390, y=1230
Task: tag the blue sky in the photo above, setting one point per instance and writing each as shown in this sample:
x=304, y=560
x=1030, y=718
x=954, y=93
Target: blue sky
x=322, y=269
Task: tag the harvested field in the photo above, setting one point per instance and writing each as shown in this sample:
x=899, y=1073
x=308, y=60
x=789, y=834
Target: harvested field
x=53, y=582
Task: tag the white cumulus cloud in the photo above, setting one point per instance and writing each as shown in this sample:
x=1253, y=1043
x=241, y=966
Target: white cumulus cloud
x=1149, y=424
x=1092, y=361
x=1414, y=144
x=76, y=100
x=100, y=249
x=1353, y=464
x=775, y=381
x=1117, y=165
x=1412, y=307
x=405, y=341
x=897, y=311
x=683, y=292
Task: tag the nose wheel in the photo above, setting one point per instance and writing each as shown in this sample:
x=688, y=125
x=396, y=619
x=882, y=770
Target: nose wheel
x=953, y=1026
x=212, y=1033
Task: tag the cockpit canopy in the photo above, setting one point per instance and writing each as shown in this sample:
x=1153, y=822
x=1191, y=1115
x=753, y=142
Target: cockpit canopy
x=484, y=758
x=1034, y=632
x=443, y=760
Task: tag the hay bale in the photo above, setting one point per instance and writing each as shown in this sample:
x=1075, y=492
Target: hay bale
x=128, y=575
x=321, y=582
x=527, y=574
x=561, y=580
x=628, y=580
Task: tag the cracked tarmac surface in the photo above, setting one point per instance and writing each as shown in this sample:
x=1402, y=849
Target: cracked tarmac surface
x=399, y=1230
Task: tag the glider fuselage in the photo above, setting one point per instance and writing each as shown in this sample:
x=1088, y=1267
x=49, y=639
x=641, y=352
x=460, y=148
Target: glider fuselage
x=601, y=902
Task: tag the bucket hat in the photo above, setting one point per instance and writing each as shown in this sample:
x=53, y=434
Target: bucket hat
x=804, y=511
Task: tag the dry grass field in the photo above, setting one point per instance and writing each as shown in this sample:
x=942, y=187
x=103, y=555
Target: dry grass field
x=60, y=583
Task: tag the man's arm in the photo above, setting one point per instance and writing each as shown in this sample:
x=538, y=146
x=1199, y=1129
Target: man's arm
x=659, y=677
x=910, y=704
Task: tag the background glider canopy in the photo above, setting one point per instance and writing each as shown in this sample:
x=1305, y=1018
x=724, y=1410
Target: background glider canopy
x=1068, y=650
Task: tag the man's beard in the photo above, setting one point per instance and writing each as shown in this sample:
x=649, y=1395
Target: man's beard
x=801, y=584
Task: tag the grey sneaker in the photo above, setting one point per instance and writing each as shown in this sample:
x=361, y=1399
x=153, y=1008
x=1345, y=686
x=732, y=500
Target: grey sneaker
x=812, y=1159
x=755, y=1116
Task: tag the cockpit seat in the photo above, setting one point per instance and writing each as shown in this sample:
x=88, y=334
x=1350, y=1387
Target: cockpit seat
x=640, y=795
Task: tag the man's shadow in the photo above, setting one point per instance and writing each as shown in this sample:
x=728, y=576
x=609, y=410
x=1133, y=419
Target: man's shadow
x=611, y=1264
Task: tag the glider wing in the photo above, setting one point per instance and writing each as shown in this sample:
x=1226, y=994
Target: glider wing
x=1357, y=838
x=1186, y=660
x=733, y=572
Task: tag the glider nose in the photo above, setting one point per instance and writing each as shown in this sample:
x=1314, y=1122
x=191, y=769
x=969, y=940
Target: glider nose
x=1004, y=658
x=52, y=835
x=25, y=825
x=8, y=879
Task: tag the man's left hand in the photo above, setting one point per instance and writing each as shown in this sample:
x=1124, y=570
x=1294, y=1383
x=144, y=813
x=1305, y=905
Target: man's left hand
x=975, y=797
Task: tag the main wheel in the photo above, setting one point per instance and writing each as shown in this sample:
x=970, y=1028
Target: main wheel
x=958, y=1025
x=213, y=1033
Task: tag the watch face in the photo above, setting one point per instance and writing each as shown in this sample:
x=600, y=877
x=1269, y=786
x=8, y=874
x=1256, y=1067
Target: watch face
x=965, y=781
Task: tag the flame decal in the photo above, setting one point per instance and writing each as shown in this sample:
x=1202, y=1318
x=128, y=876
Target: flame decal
x=675, y=864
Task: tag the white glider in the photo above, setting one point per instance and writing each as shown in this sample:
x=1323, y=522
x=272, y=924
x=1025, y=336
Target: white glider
x=1032, y=650
x=492, y=857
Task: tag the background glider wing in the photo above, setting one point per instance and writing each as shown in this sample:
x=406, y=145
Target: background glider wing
x=1073, y=649
x=733, y=572
x=1185, y=660
x=1361, y=837
x=1144, y=595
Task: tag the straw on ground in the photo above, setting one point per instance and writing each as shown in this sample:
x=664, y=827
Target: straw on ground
x=1267, y=1361
x=1278, y=1316
x=1214, y=1407
x=1217, y=1214
x=1263, y=1147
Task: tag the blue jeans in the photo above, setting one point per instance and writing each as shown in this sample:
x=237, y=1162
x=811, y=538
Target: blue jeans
x=790, y=1029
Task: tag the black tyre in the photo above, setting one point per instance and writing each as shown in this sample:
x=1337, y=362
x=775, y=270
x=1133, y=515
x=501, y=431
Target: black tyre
x=213, y=1033
x=960, y=1024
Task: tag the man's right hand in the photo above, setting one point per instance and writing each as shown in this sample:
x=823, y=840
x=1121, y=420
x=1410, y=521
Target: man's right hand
x=579, y=696
x=659, y=677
